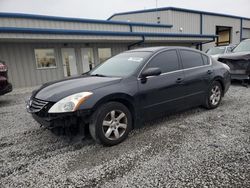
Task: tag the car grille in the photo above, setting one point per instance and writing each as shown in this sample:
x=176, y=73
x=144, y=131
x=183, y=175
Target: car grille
x=36, y=105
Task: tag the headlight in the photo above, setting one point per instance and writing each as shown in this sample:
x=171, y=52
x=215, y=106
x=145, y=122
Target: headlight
x=70, y=103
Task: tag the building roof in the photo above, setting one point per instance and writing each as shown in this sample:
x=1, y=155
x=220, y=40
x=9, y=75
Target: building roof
x=177, y=9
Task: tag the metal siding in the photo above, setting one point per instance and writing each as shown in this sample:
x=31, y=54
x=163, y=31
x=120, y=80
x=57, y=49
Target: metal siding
x=190, y=22
x=245, y=23
x=143, y=17
x=147, y=17
x=246, y=33
x=151, y=29
x=31, y=23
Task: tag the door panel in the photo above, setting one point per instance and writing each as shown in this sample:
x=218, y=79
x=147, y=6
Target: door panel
x=165, y=92
x=196, y=84
x=197, y=72
x=161, y=94
x=69, y=62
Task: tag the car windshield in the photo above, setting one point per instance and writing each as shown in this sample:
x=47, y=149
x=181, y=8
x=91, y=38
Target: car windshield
x=216, y=50
x=244, y=46
x=121, y=65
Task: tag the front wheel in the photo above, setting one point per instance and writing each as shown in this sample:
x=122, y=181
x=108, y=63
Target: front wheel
x=214, y=95
x=110, y=124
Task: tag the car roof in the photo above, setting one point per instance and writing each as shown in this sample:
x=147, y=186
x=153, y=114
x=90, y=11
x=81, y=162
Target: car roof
x=160, y=48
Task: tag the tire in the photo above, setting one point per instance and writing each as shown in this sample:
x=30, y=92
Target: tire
x=110, y=124
x=214, y=95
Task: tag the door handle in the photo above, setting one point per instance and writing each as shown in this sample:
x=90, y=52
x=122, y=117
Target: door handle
x=209, y=71
x=179, y=80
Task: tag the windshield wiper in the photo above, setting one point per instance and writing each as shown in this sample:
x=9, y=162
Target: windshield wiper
x=99, y=75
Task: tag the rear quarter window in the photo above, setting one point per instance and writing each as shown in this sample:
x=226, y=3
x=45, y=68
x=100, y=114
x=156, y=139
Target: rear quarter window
x=191, y=59
x=205, y=59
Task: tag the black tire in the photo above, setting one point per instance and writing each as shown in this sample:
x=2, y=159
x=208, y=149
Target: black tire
x=97, y=127
x=209, y=103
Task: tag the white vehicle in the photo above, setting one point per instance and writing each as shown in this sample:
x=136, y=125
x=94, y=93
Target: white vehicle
x=215, y=52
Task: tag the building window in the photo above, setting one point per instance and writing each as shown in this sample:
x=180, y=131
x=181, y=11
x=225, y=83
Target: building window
x=104, y=54
x=45, y=58
x=224, y=35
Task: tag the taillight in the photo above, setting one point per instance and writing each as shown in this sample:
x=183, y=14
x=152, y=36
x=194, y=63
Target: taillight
x=3, y=67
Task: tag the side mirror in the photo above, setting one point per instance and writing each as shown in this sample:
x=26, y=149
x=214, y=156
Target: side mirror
x=154, y=71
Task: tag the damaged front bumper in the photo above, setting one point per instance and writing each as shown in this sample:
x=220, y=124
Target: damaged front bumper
x=239, y=66
x=61, y=120
x=39, y=111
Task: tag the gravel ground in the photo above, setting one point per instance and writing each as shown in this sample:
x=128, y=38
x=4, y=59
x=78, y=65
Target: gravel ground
x=195, y=148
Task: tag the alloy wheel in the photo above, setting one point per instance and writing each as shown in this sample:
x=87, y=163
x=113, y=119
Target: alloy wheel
x=114, y=124
x=215, y=95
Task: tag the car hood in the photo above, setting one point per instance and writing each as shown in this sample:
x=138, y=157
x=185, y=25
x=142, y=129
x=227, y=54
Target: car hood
x=236, y=56
x=55, y=91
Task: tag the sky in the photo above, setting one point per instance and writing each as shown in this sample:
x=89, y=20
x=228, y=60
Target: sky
x=102, y=9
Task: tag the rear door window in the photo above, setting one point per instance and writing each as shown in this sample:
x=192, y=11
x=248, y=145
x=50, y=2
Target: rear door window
x=191, y=59
x=167, y=61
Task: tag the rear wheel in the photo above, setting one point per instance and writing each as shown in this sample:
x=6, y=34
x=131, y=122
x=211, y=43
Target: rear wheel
x=111, y=123
x=214, y=95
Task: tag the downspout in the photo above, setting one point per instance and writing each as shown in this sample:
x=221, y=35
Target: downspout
x=201, y=28
x=137, y=43
x=241, y=29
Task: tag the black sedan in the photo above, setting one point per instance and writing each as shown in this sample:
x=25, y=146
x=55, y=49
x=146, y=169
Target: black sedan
x=130, y=88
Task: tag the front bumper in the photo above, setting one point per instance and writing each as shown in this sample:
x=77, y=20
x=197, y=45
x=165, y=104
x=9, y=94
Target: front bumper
x=8, y=88
x=39, y=110
x=64, y=120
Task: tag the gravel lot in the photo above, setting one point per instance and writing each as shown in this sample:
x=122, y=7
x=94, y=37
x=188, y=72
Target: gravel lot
x=194, y=148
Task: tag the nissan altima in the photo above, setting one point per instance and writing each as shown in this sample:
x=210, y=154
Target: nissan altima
x=130, y=88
